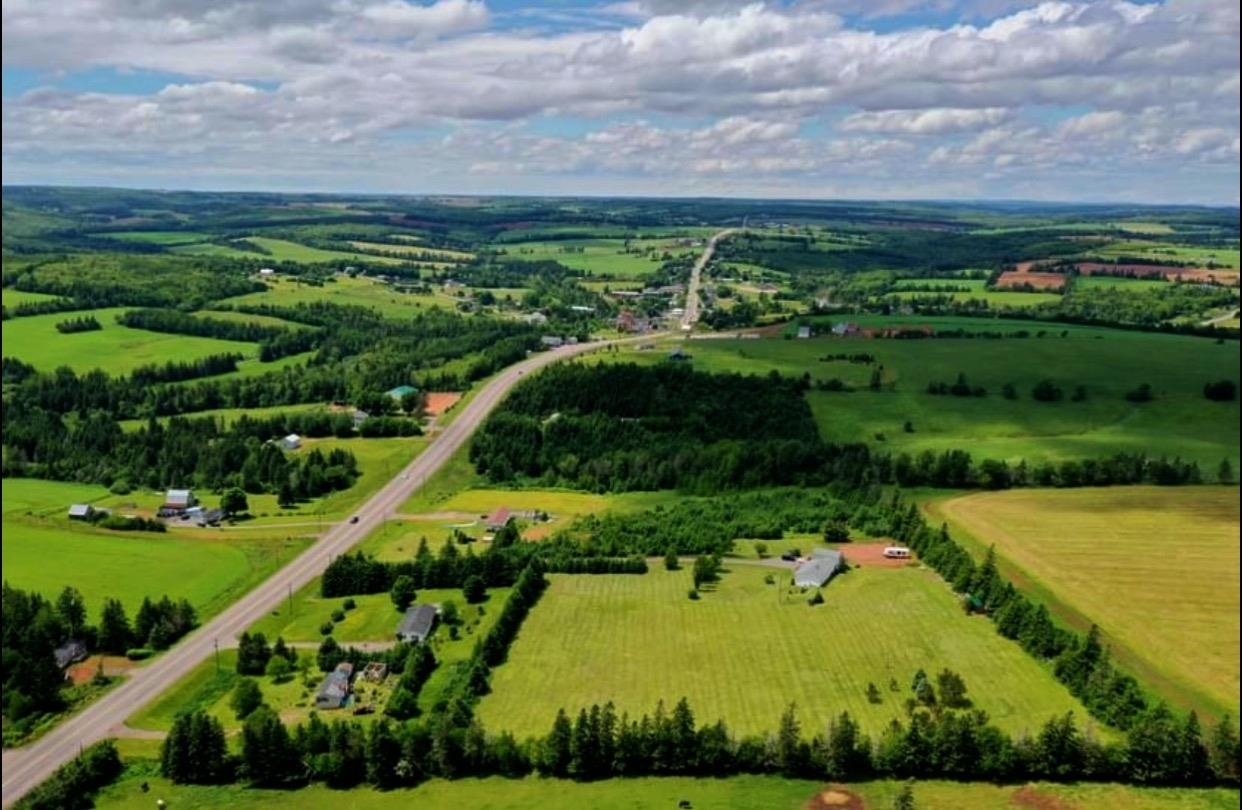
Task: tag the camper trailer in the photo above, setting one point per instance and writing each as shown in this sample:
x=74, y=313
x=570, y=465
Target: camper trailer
x=897, y=553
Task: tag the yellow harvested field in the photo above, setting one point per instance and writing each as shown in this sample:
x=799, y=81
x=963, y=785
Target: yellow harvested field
x=1155, y=567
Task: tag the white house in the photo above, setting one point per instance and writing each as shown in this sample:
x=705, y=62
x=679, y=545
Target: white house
x=291, y=442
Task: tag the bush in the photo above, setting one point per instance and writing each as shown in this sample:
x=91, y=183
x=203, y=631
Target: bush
x=694, y=594
x=338, y=615
x=1047, y=391
x=121, y=487
x=816, y=599
x=1221, y=391
x=325, y=629
x=139, y=653
x=1140, y=394
x=349, y=604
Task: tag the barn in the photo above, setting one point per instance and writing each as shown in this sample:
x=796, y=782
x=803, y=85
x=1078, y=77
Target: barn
x=819, y=569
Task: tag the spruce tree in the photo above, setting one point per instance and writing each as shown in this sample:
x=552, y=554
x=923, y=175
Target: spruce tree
x=115, y=634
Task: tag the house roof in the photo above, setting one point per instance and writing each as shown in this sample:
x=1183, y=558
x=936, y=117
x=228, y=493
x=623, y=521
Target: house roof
x=417, y=621
x=179, y=496
x=80, y=509
x=336, y=685
x=819, y=569
x=402, y=390
x=69, y=652
x=293, y=437
x=500, y=517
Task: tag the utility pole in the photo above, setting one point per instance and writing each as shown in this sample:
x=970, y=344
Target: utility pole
x=290, y=600
x=217, y=642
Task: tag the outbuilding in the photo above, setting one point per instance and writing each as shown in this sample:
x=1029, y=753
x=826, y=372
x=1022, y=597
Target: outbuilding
x=821, y=567
x=417, y=624
x=291, y=442
x=81, y=511
x=334, y=690
x=179, y=500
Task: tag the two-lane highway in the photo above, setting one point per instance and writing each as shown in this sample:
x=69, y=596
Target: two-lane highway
x=25, y=768
x=691, y=316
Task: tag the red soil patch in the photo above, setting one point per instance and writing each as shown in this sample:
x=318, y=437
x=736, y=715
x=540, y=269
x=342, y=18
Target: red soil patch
x=871, y=555
x=112, y=665
x=1040, y=281
x=835, y=797
x=1028, y=796
x=439, y=402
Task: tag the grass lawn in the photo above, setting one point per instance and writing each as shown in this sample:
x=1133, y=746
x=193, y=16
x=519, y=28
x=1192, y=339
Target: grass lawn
x=747, y=649
x=114, y=348
x=1094, y=554
x=1163, y=251
x=598, y=257
x=769, y=792
x=1179, y=422
x=44, y=551
x=365, y=292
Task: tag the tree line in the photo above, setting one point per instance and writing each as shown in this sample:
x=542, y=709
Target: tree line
x=71, y=326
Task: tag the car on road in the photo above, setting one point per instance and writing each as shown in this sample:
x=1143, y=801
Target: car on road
x=353, y=519
x=789, y=557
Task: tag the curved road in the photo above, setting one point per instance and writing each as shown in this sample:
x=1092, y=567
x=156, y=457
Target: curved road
x=691, y=316
x=24, y=768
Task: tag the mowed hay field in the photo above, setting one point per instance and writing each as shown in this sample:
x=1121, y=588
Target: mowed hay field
x=44, y=551
x=114, y=348
x=286, y=292
x=746, y=650
x=766, y=792
x=1108, y=363
x=1156, y=568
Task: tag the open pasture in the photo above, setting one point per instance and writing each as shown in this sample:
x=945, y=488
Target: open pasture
x=747, y=649
x=1108, y=363
x=415, y=251
x=1156, y=568
x=162, y=238
x=282, y=250
x=114, y=348
x=14, y=297
x=969, y=289
x=45, y=551
x=598, y=257
x=1164, y=251
x=770, y=792
x=364, y=292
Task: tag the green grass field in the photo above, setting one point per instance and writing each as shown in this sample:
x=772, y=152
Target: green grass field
x=281, y=250
x=114, y=348
x=12, y=298
x=747, y=649
x=164, y=238
x=1136, y=285
x=1156, y=568
x=230, y=415
x=1109, y=363
x=44, y=551
x=439, y=255
x=598, y=257
x=1163, y=251
x=357, y=291
x=768, y=792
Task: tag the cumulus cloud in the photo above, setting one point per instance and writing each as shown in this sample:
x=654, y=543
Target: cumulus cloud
x=752, y=88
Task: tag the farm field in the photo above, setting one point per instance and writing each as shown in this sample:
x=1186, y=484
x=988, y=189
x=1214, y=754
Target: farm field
x=595, y=256
x=438, y=255
x=114, y=348
x=44, y=551
x=769, y=792
x=747, y=649
x=286, y=292
x=1109, y=363
x=1082, y=283
x=12, y=298
x=1007, y=298
x=1093, y=555
x=164, y=238
x=281, y=250
x=1163, y=251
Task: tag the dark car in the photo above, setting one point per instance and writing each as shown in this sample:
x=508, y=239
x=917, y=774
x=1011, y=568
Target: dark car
x=789, y=557
x=353, y=519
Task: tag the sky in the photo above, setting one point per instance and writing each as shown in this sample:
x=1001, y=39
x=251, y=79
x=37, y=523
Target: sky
x=817, y=99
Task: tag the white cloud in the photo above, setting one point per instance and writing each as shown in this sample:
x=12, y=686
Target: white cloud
x=925, y=122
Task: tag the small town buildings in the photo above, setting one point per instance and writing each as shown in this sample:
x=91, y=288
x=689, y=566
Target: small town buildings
x=291, y=442
x=815, y=572
x=334, y=691
x=177, y=501
x=402, y=391
x=81, y=511
x=417, y=624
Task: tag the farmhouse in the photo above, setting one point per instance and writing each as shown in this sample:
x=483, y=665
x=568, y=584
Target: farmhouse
x=81, y=511
x=71, y=652
x=177, y=501
x=822, y=566
x=417, y=624
x=498, y=519
x=401, y=391
x=845, y=329
x=334, y=690
x=359, y=417
x=291, y=442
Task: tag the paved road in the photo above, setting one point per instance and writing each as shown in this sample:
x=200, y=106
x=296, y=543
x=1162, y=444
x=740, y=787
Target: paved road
x=1228, y=316
x=691, y=315
x=25, y=768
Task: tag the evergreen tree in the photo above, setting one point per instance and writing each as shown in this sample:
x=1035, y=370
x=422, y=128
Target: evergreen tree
x=383, y=751
x=1224, y=750
x=791, y=752
x=474, y=590
x=556, y=752
x=268, y=756
x=247, y=696
x=71, y=608
x=115, y=634
x=403, y=593
x=1224, y=473
x=905, y=798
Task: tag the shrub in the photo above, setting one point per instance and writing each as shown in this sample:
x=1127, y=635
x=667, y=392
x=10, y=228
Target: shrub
x=1221, y=391
x=816, y=599
x=349, y=604
x=139, y=653
x=325, y=629
x=1140, y=394
x=694, y=593
x=338, y=615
